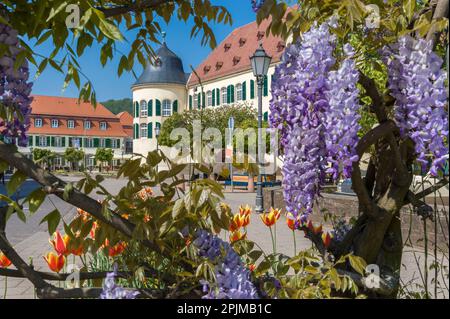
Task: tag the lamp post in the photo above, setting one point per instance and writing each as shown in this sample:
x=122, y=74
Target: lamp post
x=157, y=132
x=260, y=64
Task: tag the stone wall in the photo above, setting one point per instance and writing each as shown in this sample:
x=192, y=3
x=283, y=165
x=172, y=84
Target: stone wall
x=347, y=206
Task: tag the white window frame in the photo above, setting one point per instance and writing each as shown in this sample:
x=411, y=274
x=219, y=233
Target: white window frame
x=70, y=124
x=166, y=107
x=42, y=141
x=38, y=122
x=58, y=141
x=113, y=143
x=209, y=98
x=87, y=125
x=143, y=107
x=143, y=128
x=239, y=92
x=102, y=143
x=223, y=95
x=89, y=142
x=55, y=123
x=195, y=101
x=103, y=125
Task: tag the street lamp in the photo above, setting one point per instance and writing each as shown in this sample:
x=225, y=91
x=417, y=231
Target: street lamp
x=260, y=64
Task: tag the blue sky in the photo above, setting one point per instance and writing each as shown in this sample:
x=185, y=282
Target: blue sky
x=106, y=82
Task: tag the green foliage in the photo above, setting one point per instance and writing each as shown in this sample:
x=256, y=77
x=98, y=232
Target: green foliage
x=104, y=155
x=41, y=155
x=43, y=21
x=117, y=106
x=73, y=155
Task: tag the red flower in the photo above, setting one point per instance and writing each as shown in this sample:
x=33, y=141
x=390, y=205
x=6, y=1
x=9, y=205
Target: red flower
x=55, y=262
x=251, y=267
x=4, y=261
x=117, y=249
x=315, y=229
x=60, y=243
x=326, y=238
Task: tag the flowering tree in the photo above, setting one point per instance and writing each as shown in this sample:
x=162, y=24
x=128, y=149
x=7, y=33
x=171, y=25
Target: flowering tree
x=326, y=76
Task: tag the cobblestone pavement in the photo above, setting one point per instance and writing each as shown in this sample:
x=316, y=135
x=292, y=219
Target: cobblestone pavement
x=31, y=240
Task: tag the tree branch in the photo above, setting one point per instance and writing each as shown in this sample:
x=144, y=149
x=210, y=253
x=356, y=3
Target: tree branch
x=377, y=101
x=441, y=11
x=426, y=192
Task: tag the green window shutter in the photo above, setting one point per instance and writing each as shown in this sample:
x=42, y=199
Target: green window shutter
x=158, y=125
x=118, y=143
x=228, y=94
x=63, y=142
x=199, y=100
x=70, y=141
x=52, y=139
x=175, y=106
x=232, y=94
x=217, y=97
x=48, y=141
x=30, y=140
x=136, y=109
x=108, y=143
x=84, y=142
x=136, y=131
x=213, y=97
x=266, y=86
x=266, y=116
x=150, y=108
x=252, y=89
x=244, y=91
x=158, y=107
x=150, y=130
x=203, y=100
x=96, y=142
x=190, y=102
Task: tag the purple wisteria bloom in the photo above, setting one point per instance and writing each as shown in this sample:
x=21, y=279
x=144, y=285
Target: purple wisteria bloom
x=14, y=89
x=112, y=291
x=417, y=82
x=232, y=277
x=315, y=111
x=256, y=4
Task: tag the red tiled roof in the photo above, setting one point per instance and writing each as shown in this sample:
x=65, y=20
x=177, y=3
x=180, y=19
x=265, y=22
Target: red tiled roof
x=127, y=122
x=233, y=54
x=63, y=109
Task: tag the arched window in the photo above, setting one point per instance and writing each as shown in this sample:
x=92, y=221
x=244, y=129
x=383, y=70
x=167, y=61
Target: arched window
x=209, y=100
x=239, y=92
x=166, y=108
x=224, y=95
x=144, y=109
x=143, y=130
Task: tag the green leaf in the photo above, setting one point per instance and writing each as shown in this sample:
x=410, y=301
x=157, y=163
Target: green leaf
x=67, y=190
x=408, y=7
x=358, y=264
x=16, y=180
x=54, y=12
x=35, y=199
x=53, y=218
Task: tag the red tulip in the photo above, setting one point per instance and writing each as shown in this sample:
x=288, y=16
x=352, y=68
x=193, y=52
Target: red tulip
x=315, y=229
x=251, y=267
x=117, y=249
x=270, y=218
x=59, y=243
x=326, y=238
x=237, y=222
x=237, y=235
x=55, y=262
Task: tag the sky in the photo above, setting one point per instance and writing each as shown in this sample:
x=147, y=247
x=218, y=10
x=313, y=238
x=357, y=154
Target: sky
x=105, y=80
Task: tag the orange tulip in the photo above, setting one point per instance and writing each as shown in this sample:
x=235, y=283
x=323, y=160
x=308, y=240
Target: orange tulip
x=145, y=193
x=237, y=235
x=252, y=267
x=291, y=221
x=237, y=222
x=117, y=249
x=246, y=221
x=4, y=261
x=270, y=218
x=55, y=262
x=94, y=229
x=245, y=211
x=326, y=239
x=315, y=229
x=60, y=243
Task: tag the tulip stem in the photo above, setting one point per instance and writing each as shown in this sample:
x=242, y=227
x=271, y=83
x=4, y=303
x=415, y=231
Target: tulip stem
x=6, y=287
x=273, y=241
x=295, y=243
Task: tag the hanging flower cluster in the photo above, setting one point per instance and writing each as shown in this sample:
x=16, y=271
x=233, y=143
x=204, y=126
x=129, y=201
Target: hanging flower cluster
x=256, y=4
x=112, y=291
x=417, y=82
x=15, y=91
x=233, y=277
x=315, y=112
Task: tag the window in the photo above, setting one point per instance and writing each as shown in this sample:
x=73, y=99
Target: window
x=89, y=142
x=57, y=161
x=114, y=143
x=102, y=143
x=70, y=123
x=144, y=110
x=209, y=100
x=42, y=141
x=239, y=92
x=103, y=126
x=87, y=125
x=224, y=95
x=55, y=123
x=143, y=130
x=38, y=123
x=195, y=100
x=59, y=141
x=166, y=108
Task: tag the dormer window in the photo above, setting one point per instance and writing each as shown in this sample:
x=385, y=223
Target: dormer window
x=87, y=125
x=260, y=35
x=242, y=41
x=219, y=65
x=280, y=46
x=55, y=123
x=227, y=46
x=37, y=122
x=103, y=126
x=70, y=124
x=206, y=68
x=236, y=60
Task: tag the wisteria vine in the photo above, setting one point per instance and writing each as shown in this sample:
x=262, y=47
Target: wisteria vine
x=417, y=82
x=315, y=111
x=14, y=89
x=232, y=277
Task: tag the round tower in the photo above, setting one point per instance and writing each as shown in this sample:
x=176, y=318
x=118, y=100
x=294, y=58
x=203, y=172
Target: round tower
x=158, y=93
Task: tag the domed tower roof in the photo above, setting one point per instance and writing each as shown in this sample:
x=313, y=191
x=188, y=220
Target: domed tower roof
x=168, y=68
